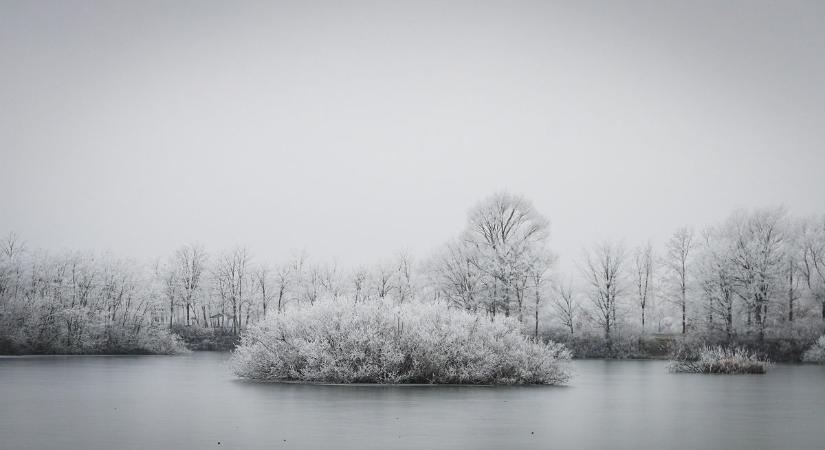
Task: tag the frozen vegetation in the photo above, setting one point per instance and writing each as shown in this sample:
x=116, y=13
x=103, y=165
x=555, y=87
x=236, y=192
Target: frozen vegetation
x=816, y=353
x=754, y=280
x=78, y=304
x=385, y=342
x=719, y=360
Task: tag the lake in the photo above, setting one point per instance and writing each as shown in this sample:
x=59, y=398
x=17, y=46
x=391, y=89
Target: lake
x=194, y=402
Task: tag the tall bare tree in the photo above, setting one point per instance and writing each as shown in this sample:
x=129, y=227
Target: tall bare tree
x=262, y=277
x=759, y=239
x=231, y=271
x=359, y=288
x=603, y=268
x=643, y=277
x=537, y=275
x=565, y=304
x=190, y=261
x=284, y=278
x=679, y=251
x=504, y=232
x=813, y=259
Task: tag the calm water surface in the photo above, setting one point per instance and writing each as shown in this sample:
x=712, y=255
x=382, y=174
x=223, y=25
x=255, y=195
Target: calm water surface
x=194, y=401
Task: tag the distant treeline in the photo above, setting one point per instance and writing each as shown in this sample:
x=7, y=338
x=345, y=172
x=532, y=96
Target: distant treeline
x=758, y=277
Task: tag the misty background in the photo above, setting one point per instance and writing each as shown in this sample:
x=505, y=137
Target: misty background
x=354, y=130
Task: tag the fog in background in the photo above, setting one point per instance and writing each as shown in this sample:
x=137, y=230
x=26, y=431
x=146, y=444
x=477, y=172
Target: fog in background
x=355, y=130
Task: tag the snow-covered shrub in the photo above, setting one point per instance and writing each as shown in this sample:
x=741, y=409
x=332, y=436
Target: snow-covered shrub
x=718, y=360
x=816, y=353
x=382, y=342
x=160, y=341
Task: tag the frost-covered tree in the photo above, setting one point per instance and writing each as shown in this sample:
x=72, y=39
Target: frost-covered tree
x=716, y=270
x=284, y=279
x=359, y=284
x=404, y=276
x=231, y=272
x=679, y=251
x=189, y=265
x=603, y=269
x=503, y=237
x=262, y=278
x=539, y=283
x=566, y=305
x=643, y=277
x=382, y=279
x=812, y=240
x=79, y=303
x=456, y=277
x=758, y=251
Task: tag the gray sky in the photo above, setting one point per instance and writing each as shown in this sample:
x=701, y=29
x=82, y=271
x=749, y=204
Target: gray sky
x=354, y=130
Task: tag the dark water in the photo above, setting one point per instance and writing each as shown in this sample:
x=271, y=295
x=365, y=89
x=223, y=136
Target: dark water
x=192, y=402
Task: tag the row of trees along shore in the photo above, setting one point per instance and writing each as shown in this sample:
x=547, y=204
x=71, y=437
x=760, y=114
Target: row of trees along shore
x=758, y=276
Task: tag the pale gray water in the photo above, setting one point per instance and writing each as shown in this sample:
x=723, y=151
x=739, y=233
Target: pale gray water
x=192, y=402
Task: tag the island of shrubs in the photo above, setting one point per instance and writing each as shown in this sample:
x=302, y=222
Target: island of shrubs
x=718, y=360
x=341, y=341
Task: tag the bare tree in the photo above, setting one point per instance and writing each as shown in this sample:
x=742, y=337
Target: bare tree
x=284, y=277
x=190, y=261
x=503, y=232
x=813, y=259
x=169, y=277
x=716, y=273
x=457, y=276
x=330, y=280
x=403, y=281
x=758, y=254
x=679, y=249
x=565, y=305
x=359, y=280
x=384, y=274
x=603, y=266
x=792, y=272
x=643, y=272
x=537, y=275
x=231, y=271
x=262, y=277
x=313, y=282
x=11, y=250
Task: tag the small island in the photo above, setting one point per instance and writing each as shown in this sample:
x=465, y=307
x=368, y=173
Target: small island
x=384, y=342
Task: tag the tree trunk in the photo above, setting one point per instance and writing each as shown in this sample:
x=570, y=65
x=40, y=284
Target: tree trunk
x=684, y=304
x=234, y=317
x=758, y=318
x=643, y=319
x=729, y=320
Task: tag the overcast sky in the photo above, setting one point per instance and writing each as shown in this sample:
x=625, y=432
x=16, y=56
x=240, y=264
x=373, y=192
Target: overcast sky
x=355, y=129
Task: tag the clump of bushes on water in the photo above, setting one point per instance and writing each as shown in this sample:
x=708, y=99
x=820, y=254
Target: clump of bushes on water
x=718, y=360
x=816, y=353
x=382, y=342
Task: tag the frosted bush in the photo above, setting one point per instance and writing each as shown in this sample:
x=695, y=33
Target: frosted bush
x=160, y=341
x=381, y=342
x=816, y=353
x=718, y=360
